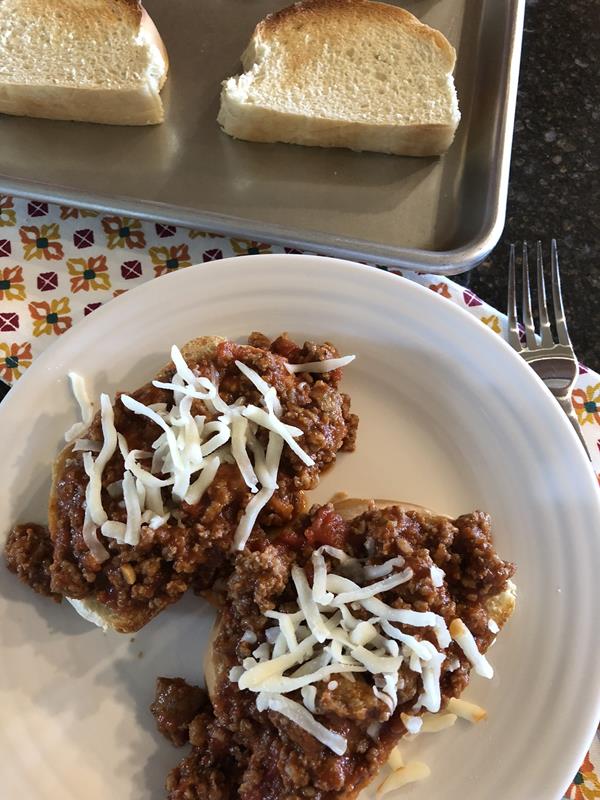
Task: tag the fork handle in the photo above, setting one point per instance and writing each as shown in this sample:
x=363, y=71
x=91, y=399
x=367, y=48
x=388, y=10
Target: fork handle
x=567, y=406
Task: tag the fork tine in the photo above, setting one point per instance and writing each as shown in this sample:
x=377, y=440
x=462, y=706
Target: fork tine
x=513, y=332
x=547, y=340
x=527, y=315
x=559, y=311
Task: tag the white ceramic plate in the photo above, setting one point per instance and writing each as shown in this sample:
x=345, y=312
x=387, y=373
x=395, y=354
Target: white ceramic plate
x=450, y=418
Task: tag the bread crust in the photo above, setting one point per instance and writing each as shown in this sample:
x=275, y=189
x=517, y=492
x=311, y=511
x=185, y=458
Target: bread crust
x=140, y=106
x=260, y=124
x=150, y=32
x=318, y=11
x=135, y=105
x=106, y=12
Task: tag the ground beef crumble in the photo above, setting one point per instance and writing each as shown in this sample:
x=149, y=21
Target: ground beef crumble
x=28, y=553
x=193, y=551
x=176, y=705
x=265, y=755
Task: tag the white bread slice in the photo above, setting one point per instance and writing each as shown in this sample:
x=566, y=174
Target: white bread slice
x=85, y=60
x=345, y=73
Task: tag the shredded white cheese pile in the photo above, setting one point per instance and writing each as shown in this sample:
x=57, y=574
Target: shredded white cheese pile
x=324, y=639
x=186, y=455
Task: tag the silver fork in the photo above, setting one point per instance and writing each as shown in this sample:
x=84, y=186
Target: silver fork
x=554, y=362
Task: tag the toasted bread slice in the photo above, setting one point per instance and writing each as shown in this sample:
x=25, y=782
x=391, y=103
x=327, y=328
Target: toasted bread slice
x=194, y=350
x=499, y=607
x=262, y=583
x=85, y=60
x=89, y=608
x=122, y=582
x=345, y=73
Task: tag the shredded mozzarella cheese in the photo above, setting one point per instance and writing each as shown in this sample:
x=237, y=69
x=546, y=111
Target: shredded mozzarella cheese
x=375, y=663
x=323, y=640
x=395, y=759
x=184, y=449
x=464, y=639
x=308, y=606
x=327, y=365
x=420, y=650
x=249, y=517
x=412, y=724
x=133, y=509
x=433, y=723
x=363, y=633
x=268, y=392
x=466, y=710
x=281, y=684
x=381, y=570
x=309, y=695
x=86, y=408
x=412, y=772
x=90, y=537
x=239, y=426
x=196, y=490
x=431, y=698
x=114, y=530
x=94, y=469
x=437, y=575
x=374, y=588
x=302, y=717
x=287, y=432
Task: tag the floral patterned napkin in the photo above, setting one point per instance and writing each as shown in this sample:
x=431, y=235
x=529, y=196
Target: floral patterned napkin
x=58, y=264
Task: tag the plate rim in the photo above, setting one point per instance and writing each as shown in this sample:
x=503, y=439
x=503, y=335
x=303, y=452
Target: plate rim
x=461, y=313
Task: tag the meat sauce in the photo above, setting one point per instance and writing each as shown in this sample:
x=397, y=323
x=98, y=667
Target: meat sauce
x=193, y=550
x=276, y=759
x=28, y=553
x=175, y=706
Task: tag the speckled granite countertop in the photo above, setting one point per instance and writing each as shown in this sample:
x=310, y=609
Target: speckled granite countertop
x=555, y=176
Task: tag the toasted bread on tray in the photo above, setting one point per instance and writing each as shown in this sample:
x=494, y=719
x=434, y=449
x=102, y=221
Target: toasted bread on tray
x=84, y=60
x=345, y=73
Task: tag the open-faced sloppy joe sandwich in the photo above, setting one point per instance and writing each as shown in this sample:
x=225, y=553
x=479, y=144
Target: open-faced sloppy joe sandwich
x=156, y=490
x=340, y=636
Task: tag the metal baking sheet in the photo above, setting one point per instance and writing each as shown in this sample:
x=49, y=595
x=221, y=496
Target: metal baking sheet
x=441, y=215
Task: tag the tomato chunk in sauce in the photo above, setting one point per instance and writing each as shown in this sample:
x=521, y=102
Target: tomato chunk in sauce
x=327, y=527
